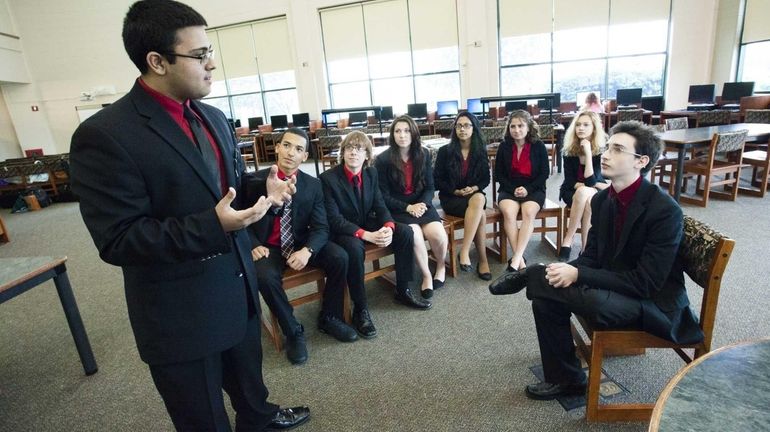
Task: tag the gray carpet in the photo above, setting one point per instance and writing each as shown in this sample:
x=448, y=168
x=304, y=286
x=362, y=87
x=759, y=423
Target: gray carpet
x=460, y=366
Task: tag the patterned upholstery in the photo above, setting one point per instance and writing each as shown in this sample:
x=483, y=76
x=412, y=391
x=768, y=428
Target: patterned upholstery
x=546, y=132
x=329, y=142
x=712, y=118
x=336, y=131
x=628, y=115
x=677, y=123
x=492, y=134
x=429, y=137
x=372, y=129
x=659, y=128
x=697, y=249
x=548, y=119
x=443, y=126
x=731, y=141
x=275, y=137
x=500, y=123
x=321, y=132
x=757, y=116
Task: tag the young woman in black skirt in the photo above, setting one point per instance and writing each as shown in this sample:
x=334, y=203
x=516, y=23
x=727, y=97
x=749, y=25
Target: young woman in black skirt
x=461, y=175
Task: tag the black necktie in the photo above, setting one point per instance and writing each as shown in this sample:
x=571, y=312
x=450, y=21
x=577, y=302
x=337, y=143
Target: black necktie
x=204, y=145
x=357, y=189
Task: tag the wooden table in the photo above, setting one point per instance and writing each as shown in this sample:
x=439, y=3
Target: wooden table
x=685, y=139
x=18, y=275
x=725, y=390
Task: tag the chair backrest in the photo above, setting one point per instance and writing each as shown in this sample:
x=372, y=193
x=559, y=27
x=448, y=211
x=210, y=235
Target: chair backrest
x=677, y=123
x=627, y=115
x=429, y=137
x=730, y=141
x=374, y=129
x=705, y=254
x=500, y=123
x=321, y=132
x=757, y=116
x=443, y=126
x=712, y=118
x=546, y=132
x=329, y=142
x=543, y=119
x=492, y=134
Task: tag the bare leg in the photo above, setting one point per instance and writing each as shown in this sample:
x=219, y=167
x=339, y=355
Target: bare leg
x=481, y=243
x=510, y=209
x=421, y=256
x=586, y=224
x=436, y=235
x=473, y=215
x=580, y=200
x=529, y=210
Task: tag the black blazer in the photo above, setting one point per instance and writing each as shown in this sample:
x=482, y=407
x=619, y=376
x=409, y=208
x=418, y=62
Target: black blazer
x=538, y=156
x=644, y=264
x=571, y=166
x=308, y=214
x=447, y=182
x=148, y=202
x=343, y=210
x=393, y=193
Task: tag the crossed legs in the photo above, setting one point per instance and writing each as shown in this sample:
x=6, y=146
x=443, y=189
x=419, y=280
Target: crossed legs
x=580, y=214
x=475, y=221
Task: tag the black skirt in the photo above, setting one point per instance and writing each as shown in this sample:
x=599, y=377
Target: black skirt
x=456, y=205
x=430, y=215
x=536, y=196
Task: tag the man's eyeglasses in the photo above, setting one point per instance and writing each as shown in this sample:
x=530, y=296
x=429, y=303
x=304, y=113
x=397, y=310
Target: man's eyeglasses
x=617, y=149
x=461, y=126
x=203, y=58
x=355, y=149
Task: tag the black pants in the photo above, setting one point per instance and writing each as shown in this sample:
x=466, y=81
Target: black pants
x=192, y=391
x=552, y=308
x=331, y=258
x=403, y=247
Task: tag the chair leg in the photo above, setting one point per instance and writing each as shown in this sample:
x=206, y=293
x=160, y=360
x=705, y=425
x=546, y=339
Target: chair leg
x=594, y=378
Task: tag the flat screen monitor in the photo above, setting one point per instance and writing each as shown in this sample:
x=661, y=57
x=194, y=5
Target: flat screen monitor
x=386, y=113
x=279, y=122
x=701, y=94
x=512, y=106
x=357, y=117
x=653, y=103
x=255, y=123
x=300, y=120
x=446, y=108
x=417, y=110
x=580, y=99
x=629, y=96
x=734, y=91
x=474, y=106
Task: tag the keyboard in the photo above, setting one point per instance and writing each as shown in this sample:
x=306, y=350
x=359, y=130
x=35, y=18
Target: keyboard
x=700, y=107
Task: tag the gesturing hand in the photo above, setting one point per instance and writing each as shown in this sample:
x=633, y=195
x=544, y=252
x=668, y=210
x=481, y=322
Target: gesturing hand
x=233, y=220
x=280, y=190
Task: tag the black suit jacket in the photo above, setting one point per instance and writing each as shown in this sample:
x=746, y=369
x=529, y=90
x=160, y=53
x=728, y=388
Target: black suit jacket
x=538, y=157
x=643, y=263
x=343, y=210
x=308, y=214
x=571, y=167
x=392, y=192
x=148, y=202
x=447, y=182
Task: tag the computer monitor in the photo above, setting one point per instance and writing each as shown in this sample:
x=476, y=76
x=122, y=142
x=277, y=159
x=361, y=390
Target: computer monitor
x=417, y=110
x=474, y=106
x=653, y=103
x=386, y=113
x=279, y=122
x=629, y=96
x=255, y=123
x=580, y=98
x=552, y=104
x=300, y=120
x=734, y=91
x=446, y=108
x=512, y=106
x=701, y=94
x=359, y=117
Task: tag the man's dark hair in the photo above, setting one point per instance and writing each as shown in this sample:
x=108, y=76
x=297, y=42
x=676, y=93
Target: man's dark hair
x=151, y=25
x=298, y=132
x=647, y=142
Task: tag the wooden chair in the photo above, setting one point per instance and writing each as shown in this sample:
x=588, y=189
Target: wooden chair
x=677, y=123
x=547, y=134
x=712, y=118
x=757, y=116
x=326, y=148
x=629, y=115
x=724, y=158
x=705, y=254
x=493, y=216
x=551, y=212
x=4, y=237
x=492, y=134
x=546, y=119
x=443, y=127
x=759, y=161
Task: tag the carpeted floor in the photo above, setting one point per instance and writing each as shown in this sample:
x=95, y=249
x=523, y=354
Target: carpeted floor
x=460, y=366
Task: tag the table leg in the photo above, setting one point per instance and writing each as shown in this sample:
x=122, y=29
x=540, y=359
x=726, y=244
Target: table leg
x=679, y=174
x=315, y=158
x=559, y=145
x=72, y=313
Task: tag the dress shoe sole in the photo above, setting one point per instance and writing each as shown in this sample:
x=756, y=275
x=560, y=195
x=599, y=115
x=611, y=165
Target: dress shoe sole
x=279, y=428
x=297, y=361
x=367, y=336
x=569, y=391
x=352, y=339
x=412, y=305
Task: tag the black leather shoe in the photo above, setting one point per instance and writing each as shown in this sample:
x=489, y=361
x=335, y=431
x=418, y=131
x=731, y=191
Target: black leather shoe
x=362, y=321
x=509, y=283
x=548, y=391
x=426, y=293
x=564, y=253
x=288, y=418
x=483, y=276
x=296, y=351
x=408, y=298
x=463, y=267
x=336, y=328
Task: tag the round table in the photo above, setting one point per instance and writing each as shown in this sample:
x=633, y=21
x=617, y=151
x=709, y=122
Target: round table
x=726, y=389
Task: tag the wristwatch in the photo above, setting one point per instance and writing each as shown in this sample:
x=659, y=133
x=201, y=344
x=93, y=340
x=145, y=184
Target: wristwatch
x=309, y=249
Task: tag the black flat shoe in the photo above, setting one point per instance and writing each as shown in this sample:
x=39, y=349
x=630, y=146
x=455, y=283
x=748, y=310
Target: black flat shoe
x=549, y=391
x=463, y=267
x=438, y=284
x=288, y=418
x=483, y=276
x=426, y=293
x=564, y=253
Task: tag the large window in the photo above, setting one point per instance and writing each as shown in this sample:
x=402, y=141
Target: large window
x=391, y=52
x=569, y=47
x=255, y=71
x=754, y=61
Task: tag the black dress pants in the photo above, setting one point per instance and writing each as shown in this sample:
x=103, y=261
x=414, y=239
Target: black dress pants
x=402, y=245
x=192, y=391
x=331, y=258
x=552, y=308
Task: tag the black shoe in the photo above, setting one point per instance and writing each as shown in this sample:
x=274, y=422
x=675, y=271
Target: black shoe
x=509, y=283
x=362, y=321
x=463, y=267
x=408, y=298
x=426, y=293
x=296, y=351
x=548, y=391
x=336, y=328
x=288, y=418
x=483, y=276
x=564, y=253
x=438, y=284
x=510, y=269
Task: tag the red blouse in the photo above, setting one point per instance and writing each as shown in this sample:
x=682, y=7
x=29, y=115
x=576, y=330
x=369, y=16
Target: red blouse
x=408, y=172
x=521, y=166
x=581, y=177
x=464, y=167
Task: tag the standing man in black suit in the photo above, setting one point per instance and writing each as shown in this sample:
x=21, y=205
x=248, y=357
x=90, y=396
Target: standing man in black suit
x=357, y=214
x=156, y=173
x=629, y=274
x=295, y=235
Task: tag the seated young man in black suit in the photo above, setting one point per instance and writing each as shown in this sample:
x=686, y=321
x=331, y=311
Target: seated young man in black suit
x=629, y=274
x=295, y=235
x=357, y=214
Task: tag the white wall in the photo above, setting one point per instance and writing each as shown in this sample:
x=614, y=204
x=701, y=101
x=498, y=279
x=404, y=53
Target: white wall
x=88, y=53
x=9, y=144
x=725, y=62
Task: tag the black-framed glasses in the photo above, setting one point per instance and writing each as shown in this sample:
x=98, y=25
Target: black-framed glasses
x=461, y=126
x=203, y=58
x=617, y=149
